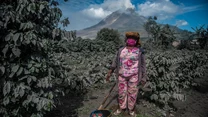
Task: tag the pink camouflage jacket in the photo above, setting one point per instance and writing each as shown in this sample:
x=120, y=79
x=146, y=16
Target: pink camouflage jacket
x=141, y=67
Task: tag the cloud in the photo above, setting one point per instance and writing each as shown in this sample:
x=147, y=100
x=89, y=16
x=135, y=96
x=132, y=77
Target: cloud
x=100, y=11
x=77, y=19
x=194, y=8
x=181, y=23
x=96, y=12
x=164, y=9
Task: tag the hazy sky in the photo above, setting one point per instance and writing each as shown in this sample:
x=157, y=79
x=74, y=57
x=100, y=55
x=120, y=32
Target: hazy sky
x=182, y=13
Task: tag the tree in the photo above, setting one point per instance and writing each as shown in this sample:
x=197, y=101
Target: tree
x=109, y=35
x=150, y=25
x=162, y=34
x=166, y=36
x=185, y=35
x=29, y=70
x=201, y=35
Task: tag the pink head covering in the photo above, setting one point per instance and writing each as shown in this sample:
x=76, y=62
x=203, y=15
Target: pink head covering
x=131, y=42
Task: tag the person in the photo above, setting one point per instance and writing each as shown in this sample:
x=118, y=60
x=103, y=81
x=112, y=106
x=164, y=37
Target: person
x=130, y=69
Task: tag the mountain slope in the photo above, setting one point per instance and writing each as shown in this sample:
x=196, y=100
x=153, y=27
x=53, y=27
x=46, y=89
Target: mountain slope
x=119, y=20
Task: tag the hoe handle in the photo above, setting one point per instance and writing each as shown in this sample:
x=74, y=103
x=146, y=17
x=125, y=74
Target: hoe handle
x=106, y=97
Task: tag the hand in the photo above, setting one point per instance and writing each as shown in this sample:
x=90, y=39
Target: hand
x=108, y=77
x=143, y=82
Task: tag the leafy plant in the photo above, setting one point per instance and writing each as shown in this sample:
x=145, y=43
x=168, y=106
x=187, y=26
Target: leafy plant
x=162, y=35
x=171, y=71
x=30, y=73
x=109, y=35
x=201, y=36
x=107, y=41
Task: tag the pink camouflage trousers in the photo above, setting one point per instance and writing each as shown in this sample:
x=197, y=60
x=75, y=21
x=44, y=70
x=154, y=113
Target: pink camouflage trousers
x=128, y=78
x=128, y=91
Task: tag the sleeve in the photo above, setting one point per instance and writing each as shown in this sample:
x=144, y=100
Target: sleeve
x=143, y=68
x=114, y=62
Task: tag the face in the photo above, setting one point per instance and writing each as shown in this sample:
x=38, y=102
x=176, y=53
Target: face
x=131, y=42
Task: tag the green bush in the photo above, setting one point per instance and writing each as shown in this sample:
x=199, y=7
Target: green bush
x=30, y=74
x=171, y=71
x=107, y=41
x=109, y=35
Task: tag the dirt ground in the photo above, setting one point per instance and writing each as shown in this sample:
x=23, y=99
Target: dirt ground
x=196, y=104
x=82, y=106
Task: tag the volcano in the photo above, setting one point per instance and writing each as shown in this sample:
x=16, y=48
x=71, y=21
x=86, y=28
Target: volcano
x=121, y=21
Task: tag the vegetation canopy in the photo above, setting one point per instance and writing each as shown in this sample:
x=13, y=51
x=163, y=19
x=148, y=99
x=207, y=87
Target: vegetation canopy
x=30, y=73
